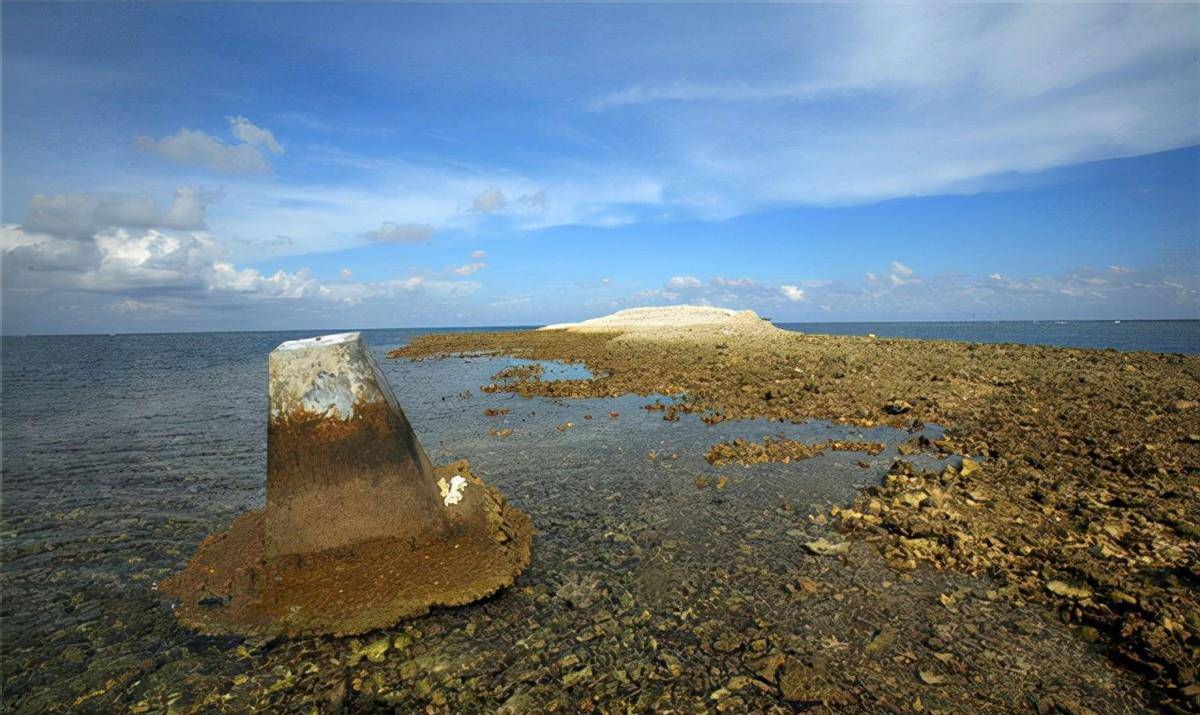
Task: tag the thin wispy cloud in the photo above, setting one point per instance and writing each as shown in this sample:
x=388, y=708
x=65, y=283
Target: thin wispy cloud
x=389, y=232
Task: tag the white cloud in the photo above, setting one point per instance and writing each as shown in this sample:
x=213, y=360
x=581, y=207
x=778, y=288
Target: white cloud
x=1119, y=269
x=535, y=200
x=683, y=282
x=479, y=254
x=468, y=269
x=82, y=215
x=345, y=273
x=793, y=293
x=511, y=302
x=842, y=96
x=195, y=148
x=1084, y=293
x=169, y=275
x=389, y=232
x=901, y=274
x=489, y=201
x=254, y=136
x=733, y=282
x=183, y=274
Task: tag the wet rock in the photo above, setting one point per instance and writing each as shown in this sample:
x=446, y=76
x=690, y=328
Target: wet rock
x=1069, y=439
x=823, y=547
x=375, y=652
x=576, y=677
x=1071, y=590
x=768, y=666
x=797, y=683
x=671, y=663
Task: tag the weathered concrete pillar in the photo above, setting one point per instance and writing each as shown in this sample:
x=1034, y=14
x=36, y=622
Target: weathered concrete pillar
x=343, y=464
x=359, y=530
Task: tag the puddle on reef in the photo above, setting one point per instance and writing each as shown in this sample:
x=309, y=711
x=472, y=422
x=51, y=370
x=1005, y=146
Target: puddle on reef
x=646, y=591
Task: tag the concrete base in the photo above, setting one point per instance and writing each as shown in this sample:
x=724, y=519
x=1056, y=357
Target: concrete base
x=359, y=528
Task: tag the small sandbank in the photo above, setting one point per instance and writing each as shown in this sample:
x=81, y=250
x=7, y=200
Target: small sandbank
x=672, y=321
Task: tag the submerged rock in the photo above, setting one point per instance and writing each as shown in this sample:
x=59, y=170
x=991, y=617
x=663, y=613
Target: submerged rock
x=360, y=529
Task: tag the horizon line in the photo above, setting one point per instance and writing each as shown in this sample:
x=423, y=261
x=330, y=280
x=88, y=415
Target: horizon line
x=518, y=326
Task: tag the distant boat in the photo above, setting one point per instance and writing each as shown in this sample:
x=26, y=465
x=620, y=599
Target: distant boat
x=1116, y=321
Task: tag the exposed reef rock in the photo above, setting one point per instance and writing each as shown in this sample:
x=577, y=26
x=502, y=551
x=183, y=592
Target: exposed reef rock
x=360, y=530
x=1089, y=478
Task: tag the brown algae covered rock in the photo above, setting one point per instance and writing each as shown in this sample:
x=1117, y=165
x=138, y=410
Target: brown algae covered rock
x=360, y=530
x=1078, y=467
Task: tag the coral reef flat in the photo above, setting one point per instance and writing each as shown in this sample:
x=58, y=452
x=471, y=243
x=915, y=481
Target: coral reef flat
x=658, y=581
x=1078, y=491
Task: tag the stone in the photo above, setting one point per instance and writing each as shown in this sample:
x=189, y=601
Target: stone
x=823, y=547
x=360, y=530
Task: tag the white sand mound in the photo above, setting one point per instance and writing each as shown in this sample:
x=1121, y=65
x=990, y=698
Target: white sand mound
x=670, y=319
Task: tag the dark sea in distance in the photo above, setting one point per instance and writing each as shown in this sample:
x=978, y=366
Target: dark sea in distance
x=1161, y=336
x=1164, y=336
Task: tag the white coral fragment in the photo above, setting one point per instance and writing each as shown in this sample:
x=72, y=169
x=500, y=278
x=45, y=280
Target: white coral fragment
x=452, y=493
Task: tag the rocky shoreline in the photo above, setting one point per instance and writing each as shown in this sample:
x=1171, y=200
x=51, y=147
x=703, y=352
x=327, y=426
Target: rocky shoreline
x=1084, y=497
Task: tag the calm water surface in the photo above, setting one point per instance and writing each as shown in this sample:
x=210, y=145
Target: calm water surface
x=1164, y=336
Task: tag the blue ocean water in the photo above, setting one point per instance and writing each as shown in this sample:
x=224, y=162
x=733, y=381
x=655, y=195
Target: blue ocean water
x=1162, y=336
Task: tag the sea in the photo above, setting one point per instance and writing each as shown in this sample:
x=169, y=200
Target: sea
x=1161, y=336
x=121, y=452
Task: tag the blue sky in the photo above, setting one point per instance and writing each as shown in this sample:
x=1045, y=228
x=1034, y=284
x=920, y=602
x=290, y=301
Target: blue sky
x=258, y=166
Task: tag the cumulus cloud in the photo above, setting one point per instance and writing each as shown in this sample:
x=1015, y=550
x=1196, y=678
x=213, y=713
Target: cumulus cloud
x=82, y=215
x=468, y=269
x=197, y=148
x=489, y=201
x=683, y=282
x=155, y=273
x=793, y=293
x=389, y=232
x=142, y=263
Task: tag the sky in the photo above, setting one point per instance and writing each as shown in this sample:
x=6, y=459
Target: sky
x=176, y=167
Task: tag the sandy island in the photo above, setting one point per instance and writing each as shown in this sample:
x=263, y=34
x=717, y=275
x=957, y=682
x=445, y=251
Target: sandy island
x=1084, y=491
